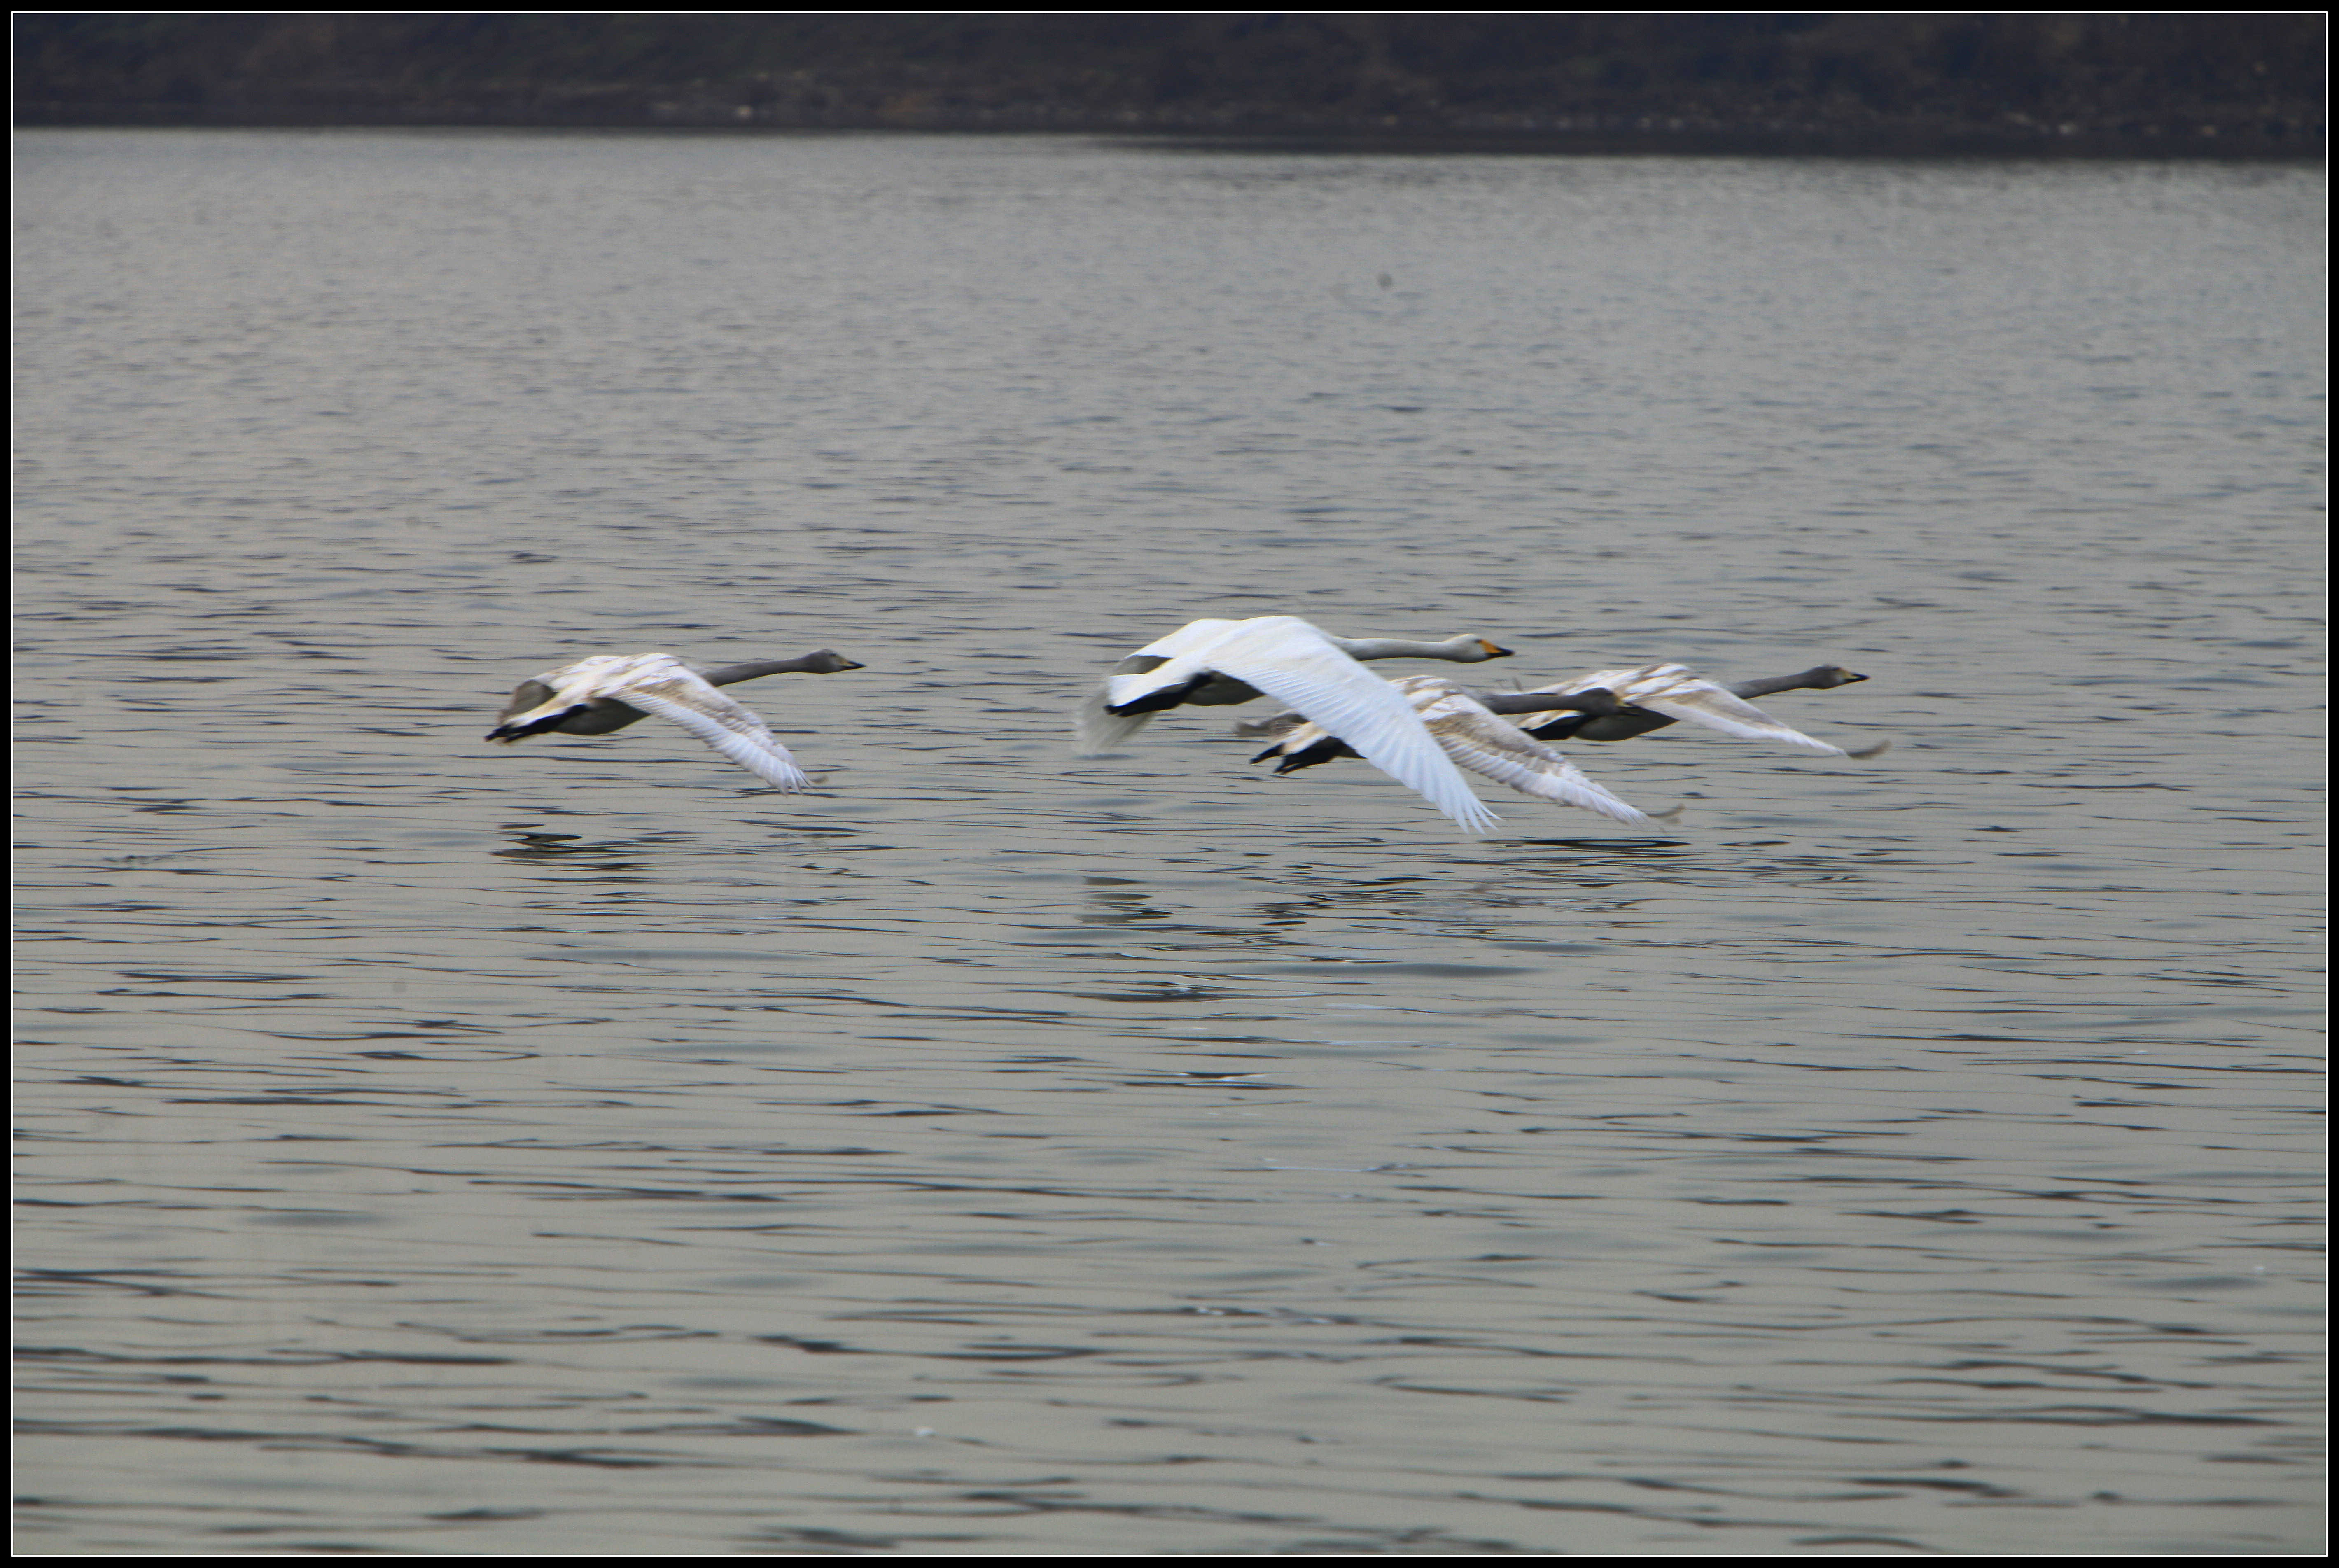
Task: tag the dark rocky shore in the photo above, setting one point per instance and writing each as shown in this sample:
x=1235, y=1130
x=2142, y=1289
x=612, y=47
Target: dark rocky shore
x=2164, y=85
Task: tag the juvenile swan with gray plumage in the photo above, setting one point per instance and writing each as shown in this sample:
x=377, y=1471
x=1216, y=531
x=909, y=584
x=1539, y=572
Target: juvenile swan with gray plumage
x=602, y=694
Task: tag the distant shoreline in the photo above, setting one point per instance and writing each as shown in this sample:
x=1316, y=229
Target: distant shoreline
x=1625, y=137
x=2027, y=86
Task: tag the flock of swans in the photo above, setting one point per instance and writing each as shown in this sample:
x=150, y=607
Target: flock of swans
x=1420, y=730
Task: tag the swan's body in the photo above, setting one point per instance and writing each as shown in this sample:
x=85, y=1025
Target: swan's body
x=1213, y=662
x=610, y=691
x=1478, y=739
x=606, y=715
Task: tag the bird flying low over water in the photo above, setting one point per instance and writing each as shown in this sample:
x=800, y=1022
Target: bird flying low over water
x=604, y=694
x=1666, y=693
x=1317, y=672
x=1476, y=738
x=1501, y=733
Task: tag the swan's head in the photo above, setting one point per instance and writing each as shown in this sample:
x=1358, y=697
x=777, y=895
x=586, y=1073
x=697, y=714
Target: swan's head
x=1828, y=676
x=1478, y=649
x=828, y=662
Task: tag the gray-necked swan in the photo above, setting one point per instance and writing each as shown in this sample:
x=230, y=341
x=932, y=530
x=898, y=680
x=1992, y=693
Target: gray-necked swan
x=606, y=692
x=1666, y=693
x=1608, y=705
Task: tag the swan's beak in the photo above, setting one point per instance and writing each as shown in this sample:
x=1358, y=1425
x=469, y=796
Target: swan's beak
x=843, y=664
x=1491, y=651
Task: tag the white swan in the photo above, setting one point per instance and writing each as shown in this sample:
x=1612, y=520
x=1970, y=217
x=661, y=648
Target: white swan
x=1479, y=740
x=1120, y=708
x=582, y=693
x=1319, y=674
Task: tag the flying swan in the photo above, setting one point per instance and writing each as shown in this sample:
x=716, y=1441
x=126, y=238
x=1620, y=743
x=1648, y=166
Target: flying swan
x=1606, y=706
x=1476, y=738
x=604, y=694
x=1663, y=694
x=1214, y=662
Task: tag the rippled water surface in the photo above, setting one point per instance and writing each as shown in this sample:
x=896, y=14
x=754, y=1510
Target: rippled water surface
x=573, y=1148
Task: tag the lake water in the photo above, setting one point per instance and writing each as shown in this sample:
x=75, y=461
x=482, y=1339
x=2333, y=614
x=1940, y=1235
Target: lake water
x=431, y=1147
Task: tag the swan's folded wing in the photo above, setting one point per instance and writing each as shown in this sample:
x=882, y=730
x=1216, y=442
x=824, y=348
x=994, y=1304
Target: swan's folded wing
x=1488, y=744
x=723, y=724
x=1375, y=718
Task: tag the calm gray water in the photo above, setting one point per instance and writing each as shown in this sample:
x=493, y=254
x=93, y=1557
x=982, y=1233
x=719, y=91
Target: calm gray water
x=574, y=1149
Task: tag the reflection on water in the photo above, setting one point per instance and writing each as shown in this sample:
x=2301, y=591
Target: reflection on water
x=998, y=1151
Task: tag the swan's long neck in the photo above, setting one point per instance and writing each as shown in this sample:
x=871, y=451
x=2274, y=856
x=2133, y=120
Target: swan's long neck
x=1819, y=677
x=1597, y=702
x=1462, y=650
x=731, y=675
x=821, y=663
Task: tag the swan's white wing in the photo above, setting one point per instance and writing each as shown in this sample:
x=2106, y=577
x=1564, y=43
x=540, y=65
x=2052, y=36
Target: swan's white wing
x=1294, y=732
x=1486, y=743
x=1193, y=649
x=1195, y=634
x=722, y=723
x=1100, y=731
x=1718, y=709
x=1293, y=662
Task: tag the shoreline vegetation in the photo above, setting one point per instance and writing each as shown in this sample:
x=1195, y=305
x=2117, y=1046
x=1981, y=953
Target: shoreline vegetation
x=2006, y=86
